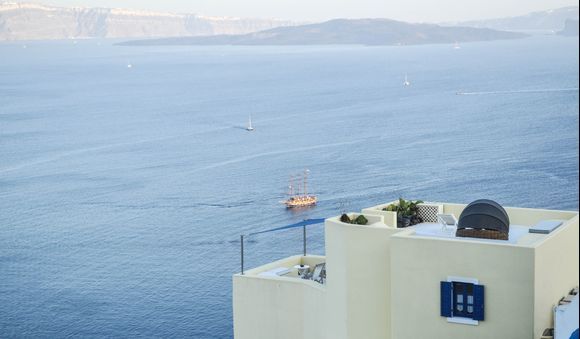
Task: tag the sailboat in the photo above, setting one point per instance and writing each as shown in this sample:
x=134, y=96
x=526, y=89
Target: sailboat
x=250, y=127
x=456, y=46
x=407, y=82
x=300, y=199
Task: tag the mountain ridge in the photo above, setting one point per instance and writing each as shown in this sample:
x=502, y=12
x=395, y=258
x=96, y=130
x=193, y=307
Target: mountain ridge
x=345, y=31
x=547, y=20
x=31, y=21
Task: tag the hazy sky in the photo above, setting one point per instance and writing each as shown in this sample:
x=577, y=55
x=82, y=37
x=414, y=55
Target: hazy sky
x=317, y=10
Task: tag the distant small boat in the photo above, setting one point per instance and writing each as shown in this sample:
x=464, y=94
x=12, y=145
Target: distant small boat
x=406, y=82
x=129, y=66
x=456, y=46
x=250, y=127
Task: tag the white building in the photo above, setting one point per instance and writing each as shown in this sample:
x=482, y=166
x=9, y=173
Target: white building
x=421, y=281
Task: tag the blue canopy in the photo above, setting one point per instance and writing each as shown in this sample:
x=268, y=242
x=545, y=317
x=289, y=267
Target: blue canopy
x=298, y=224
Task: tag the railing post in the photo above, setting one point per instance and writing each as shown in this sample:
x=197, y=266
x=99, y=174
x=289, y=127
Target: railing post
x=242, y=252
x=304, y=239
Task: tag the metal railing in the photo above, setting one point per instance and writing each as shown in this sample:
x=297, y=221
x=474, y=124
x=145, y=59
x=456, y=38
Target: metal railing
x=302, y=224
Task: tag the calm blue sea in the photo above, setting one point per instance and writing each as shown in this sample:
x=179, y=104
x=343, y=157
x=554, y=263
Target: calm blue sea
x=123, y=191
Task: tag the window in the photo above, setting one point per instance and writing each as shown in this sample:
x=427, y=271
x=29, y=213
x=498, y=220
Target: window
x=462, y=301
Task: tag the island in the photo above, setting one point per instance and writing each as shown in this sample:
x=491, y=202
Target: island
x=345, y=32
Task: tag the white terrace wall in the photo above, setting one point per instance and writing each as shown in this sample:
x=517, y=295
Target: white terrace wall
x=278, y=307
x=389, y=218
x=556, y=273
x=419, y=264
x=358, y=285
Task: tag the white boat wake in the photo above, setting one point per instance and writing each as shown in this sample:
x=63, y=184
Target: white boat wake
x=82, y=151
x=76, y=152
x=274, y=153
x=545, y=90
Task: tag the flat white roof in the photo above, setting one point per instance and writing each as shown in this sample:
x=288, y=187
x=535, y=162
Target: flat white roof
x=437, y=230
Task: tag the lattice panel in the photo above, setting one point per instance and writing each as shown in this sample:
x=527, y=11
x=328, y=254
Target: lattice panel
x=429, y=212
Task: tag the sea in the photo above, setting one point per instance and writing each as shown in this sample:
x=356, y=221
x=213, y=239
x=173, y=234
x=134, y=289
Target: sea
x=127, y=175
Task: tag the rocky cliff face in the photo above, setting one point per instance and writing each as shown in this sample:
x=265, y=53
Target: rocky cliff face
x=570, y=28
x=550, y=20
x=26, y=21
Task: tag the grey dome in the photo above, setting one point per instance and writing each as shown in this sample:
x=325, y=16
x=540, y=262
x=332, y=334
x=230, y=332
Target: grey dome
x=484, y=214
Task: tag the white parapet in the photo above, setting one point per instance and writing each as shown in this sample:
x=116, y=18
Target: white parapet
x=278, y=306
x=358, y=287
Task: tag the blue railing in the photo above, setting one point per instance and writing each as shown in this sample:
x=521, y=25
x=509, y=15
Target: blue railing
x=302, y=224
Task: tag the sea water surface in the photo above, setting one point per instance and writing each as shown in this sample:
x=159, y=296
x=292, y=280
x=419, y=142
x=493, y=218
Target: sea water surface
x=123, y=190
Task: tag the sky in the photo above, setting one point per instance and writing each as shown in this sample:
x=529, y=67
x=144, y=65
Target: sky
x=319, y=10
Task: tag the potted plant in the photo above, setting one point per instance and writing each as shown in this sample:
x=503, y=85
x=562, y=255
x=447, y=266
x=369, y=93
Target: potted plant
x=406, y=212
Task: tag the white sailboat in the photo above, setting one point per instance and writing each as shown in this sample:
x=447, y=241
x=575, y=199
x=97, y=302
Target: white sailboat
x=250, y=127
x=456, y=46
x=407, y=82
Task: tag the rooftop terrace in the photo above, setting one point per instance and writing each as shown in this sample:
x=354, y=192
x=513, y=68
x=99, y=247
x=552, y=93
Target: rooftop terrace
x=376, y=268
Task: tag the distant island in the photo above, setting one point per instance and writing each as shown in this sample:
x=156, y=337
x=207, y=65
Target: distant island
x=548, y=20
x=345, y=32
x=29, y=21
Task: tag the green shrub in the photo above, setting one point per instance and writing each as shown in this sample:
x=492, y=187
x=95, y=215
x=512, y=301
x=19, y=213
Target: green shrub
x=344, y=218
x=360, y=220
x=404, y=208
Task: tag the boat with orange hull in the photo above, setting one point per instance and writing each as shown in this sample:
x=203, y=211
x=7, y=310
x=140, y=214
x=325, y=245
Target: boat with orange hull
x=301, y=199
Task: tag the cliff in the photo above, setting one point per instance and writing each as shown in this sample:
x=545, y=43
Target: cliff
x=27, y=21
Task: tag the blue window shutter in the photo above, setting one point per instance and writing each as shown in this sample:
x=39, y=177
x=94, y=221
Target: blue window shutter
x=446, y=299
x=478, y=302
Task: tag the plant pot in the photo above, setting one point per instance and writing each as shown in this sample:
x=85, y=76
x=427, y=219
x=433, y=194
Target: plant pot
x=415, y=220
x=403, y=222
